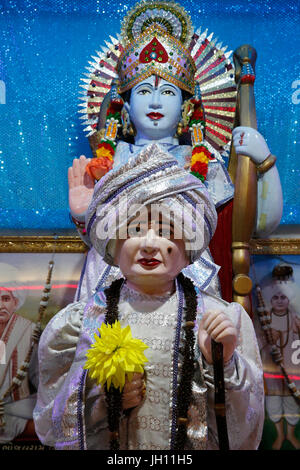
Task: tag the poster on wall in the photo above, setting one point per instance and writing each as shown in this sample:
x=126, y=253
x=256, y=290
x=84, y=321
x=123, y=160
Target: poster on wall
x=27, y=299
x=276, y=305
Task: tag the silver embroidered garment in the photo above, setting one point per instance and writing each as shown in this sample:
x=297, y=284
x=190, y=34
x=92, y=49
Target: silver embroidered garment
x=64, y=420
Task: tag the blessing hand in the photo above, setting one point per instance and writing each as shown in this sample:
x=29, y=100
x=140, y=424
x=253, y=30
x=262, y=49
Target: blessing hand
x=81, y=186
x=248, y=141
x=217, y=326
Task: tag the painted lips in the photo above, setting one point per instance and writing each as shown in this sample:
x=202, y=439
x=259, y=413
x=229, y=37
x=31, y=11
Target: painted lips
x=155, y=116
x=149, y=262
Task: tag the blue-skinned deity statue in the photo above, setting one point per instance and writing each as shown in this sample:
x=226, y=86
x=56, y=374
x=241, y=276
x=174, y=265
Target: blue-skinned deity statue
x=159, y=69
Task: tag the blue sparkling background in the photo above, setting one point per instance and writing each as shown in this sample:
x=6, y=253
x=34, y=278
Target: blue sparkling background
x=45, y=47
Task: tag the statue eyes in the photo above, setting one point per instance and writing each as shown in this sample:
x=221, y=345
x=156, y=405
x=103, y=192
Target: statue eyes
x=164, y=92
x=168, y=92
x=143, y=92
x=138, y=231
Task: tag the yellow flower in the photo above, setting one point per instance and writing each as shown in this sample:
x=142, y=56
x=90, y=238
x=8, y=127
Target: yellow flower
x=199, y=157
x=103, y=152
x=114, y=354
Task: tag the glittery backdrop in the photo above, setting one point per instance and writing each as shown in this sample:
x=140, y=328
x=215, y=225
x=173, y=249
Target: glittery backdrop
x=44, y=49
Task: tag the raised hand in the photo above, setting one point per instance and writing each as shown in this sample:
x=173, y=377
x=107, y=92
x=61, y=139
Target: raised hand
x=248, y=141
x=81, y=186
x=217, y=326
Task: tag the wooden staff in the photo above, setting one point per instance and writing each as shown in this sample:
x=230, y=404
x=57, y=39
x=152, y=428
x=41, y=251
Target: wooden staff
x=220, y=407
x=243, y=173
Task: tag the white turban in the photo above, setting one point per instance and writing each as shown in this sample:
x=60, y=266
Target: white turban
x=152, y=177
x=9, y=279
x=288, y=288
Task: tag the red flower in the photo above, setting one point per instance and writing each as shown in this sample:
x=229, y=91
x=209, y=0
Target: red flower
x=197, y=115
x=107, y=146
x=115, y=106
x=200, y=167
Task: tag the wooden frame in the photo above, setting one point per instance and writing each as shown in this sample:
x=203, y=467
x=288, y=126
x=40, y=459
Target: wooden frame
x=42, y=244
x=275, y=246
x=74, y=244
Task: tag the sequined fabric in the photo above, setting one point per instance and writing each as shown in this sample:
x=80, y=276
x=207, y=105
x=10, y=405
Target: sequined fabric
x=46, y=44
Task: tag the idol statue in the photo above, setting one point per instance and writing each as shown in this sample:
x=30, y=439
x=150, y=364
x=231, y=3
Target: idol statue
x=160, y=81
x=97, y=388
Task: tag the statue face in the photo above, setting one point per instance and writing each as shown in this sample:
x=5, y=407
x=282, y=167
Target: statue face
x=150, y=256
x=280, y=303
x=155, y=108
x=8, y=305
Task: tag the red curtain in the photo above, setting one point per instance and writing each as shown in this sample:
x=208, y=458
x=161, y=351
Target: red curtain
x=220, y=247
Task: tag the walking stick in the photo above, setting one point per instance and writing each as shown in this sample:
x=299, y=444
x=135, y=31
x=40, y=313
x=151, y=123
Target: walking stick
x=243, y=173
x=220, y=407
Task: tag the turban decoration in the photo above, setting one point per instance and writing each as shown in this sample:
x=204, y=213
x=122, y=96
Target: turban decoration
x=153, y=177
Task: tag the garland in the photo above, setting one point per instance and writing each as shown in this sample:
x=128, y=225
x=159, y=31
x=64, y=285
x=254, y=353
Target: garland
x=114, y=396
x=105, y=152
x=200, y=153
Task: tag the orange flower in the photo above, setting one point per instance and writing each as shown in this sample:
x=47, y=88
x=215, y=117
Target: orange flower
x=98, y=167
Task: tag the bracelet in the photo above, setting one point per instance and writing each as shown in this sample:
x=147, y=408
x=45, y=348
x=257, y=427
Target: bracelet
x=266, y=164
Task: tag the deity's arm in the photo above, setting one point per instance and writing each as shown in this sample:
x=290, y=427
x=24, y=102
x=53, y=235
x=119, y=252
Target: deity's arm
x=269, y=203
x=243, y=388
x=81, y=188
x=249, y=142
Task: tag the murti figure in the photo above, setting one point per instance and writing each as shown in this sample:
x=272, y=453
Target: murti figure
x=16, y=333
x=162, y=82
x=281, y=296
x=133, y=218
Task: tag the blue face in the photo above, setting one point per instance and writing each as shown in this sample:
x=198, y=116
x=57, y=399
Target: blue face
x=155, y=109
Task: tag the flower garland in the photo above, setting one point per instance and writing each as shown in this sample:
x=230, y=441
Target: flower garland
x=200, y=153
x=194, y=122
x=99, y=166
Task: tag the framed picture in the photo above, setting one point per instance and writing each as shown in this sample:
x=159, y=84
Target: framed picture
x=276, y=305
x=28, y=258
x=24, y=269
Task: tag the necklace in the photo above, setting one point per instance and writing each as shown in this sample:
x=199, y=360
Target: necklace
x=184, y=391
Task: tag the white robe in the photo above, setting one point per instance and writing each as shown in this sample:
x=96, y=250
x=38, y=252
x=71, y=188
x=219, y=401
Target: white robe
x=19, y=406
x=153, y=320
